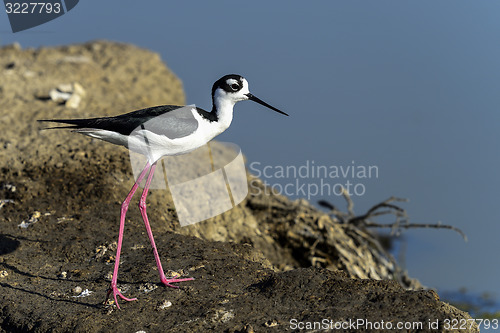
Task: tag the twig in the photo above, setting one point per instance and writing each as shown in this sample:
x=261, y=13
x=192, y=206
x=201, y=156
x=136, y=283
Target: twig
x=418, y=225
x=350, y=204
x=401, y=222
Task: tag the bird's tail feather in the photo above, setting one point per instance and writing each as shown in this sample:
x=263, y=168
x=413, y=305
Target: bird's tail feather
x=76, y=123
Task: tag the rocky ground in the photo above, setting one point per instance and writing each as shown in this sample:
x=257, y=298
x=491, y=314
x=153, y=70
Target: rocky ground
x=263, y=266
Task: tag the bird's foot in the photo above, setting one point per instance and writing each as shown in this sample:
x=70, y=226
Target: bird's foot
x=114, y=289
x=167, y=282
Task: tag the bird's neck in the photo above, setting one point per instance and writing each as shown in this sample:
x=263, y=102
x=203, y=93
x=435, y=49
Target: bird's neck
x=222, y=110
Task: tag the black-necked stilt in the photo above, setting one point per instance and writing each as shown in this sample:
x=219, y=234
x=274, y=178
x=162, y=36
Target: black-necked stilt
x=160, y=131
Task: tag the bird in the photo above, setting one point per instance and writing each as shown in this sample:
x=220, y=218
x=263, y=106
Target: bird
x=159, y=131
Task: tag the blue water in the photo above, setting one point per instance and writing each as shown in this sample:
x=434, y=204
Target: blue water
x=478, y=303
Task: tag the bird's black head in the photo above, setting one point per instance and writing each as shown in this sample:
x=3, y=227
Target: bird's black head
x=230, y=83
x=233, y=88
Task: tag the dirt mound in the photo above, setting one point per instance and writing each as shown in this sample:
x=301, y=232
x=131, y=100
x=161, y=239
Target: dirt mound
x=66, y=190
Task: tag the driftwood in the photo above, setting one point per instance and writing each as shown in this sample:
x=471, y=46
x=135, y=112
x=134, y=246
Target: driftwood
x=355, y=226
x=402, y=218
x=339, y=240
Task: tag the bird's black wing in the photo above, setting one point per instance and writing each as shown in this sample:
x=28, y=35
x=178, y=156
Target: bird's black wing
x=169, y=120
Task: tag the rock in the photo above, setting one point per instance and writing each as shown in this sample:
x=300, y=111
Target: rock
x=74, y=101
x=65, y=88
x=32, y=219
x=166, y=304
x=59, y=96
x=238, y=259
x=78, y=89
x=77, y=290
x=5, y=201
x=70, y=94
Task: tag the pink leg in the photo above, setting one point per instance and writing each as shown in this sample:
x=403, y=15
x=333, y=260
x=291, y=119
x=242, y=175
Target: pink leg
x=113, y=288
x=142, y=208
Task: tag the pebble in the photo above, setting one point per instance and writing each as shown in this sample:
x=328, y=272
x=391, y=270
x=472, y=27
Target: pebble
x=222, y=316
x=77, y=290
x=32, y=219
x=271, y=323
x=65, y=88
x=147, y=287
x=84, y=293
x=78, y=89
x=4, y=201
x=164, y=305
x=59, y=96
x=3, y=274
x=74, y=101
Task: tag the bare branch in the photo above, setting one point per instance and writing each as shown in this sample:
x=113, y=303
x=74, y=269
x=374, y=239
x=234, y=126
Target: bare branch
x=419, y=225
x=350, y=204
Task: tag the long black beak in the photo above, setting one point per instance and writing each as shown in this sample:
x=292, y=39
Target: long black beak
x=261, y=102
